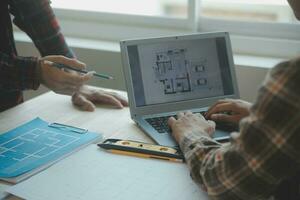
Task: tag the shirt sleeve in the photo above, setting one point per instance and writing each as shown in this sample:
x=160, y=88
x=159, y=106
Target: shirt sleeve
x=18, y=73
x=265, y=152
x=37, y=19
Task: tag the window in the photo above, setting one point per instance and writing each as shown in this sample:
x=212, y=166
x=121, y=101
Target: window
x=115, y=20
x=259, y=27
x=245, y=10
x=167, y=8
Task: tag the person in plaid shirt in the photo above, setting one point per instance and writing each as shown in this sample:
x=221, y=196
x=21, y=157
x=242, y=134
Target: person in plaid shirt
x=262, y=161
x=17, y=73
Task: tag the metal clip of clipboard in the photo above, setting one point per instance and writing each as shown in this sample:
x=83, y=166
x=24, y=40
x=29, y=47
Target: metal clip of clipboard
x=68, y=128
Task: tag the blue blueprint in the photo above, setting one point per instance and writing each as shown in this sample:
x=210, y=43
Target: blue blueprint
x=35, y=144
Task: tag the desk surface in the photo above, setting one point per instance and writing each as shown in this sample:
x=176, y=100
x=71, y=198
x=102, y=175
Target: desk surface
x=114, y=123
x=51, y=107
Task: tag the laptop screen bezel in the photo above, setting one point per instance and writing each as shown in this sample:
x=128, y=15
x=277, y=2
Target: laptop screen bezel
x=179, y=105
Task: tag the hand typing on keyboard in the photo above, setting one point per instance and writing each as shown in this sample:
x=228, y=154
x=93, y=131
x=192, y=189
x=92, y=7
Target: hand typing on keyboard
x=228, y=110
x=187, y=123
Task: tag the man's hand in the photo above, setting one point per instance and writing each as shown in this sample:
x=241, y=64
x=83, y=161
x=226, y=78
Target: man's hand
x=58, y=80
x=87, y=97
x=229, y=110
x=188, y=123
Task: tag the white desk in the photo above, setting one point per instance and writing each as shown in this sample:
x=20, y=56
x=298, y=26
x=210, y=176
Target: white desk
x=115, y=123
x=51, y=107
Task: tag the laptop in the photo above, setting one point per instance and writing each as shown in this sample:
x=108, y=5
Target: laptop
x=168, y=75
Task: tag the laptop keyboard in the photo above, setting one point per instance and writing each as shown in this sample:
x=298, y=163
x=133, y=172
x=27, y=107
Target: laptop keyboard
x=160, y=124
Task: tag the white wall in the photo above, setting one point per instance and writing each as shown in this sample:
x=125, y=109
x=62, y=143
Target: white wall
x=249, y=78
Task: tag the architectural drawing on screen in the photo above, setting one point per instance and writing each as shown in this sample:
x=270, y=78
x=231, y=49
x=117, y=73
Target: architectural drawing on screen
x=177, y=73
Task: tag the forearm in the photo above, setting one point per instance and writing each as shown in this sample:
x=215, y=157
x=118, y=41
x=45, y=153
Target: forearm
x=224, y=171
x=198, y=149
x=18, y=73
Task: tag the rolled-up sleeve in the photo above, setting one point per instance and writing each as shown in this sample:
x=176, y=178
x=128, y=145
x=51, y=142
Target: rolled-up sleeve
x=18, y=73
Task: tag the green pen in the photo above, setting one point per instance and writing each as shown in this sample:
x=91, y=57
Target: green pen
x=63, y=66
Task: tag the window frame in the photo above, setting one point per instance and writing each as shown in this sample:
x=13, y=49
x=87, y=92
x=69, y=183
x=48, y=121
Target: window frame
x=271, y=39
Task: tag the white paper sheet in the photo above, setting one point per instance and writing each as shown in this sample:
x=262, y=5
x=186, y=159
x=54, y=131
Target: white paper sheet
x=94, y=174
x=3, y=188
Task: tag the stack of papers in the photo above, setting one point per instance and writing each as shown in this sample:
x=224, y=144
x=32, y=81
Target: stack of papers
x=36, y=145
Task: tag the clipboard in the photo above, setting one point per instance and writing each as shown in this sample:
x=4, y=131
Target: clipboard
x=37, y=145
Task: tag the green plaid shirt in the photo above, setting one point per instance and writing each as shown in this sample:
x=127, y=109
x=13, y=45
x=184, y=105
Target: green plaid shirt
x=265, y=152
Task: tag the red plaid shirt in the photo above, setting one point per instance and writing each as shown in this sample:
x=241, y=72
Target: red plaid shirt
x=36, y=18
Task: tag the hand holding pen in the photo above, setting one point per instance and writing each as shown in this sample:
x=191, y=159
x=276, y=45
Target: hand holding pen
x=60, y=81
x=68, y=76
x=68, y=68
x=65, y=81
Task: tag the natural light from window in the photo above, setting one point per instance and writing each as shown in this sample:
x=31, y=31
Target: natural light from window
x=170, y=8
x=245, y=10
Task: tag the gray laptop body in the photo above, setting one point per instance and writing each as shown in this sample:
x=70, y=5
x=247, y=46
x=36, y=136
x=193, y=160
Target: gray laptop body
x=171, y=74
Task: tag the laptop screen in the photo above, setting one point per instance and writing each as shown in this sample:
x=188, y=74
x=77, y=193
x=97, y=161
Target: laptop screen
x=179, y=70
